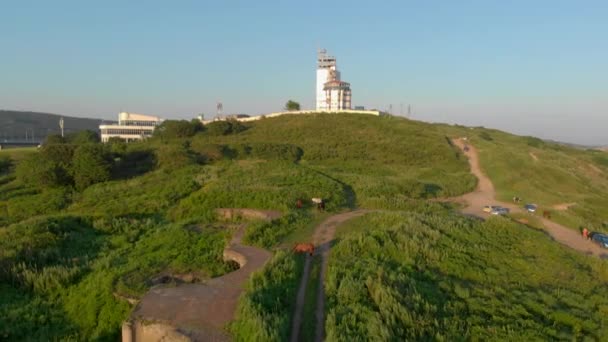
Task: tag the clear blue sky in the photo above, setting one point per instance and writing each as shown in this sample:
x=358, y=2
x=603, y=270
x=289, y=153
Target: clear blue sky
x=530, y=67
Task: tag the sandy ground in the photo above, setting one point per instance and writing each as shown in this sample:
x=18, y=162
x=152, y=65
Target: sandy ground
x=562, y=206
x=485, y=194
x=202, y=310
x=533, y=156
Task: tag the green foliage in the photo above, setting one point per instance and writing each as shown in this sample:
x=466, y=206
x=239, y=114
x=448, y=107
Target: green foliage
x=48, y=201
x=269, y=151
x=5, y=164
x=39, y=171
x=268, y=234
x=485, y=136
x=534, y=142
x=292, y=105
x=440, y=276
x=172, y=129
x=153, y=193
x=83, y=137
x=175, y=156
x=224, y=127
x=90, y=165
x=265, y=308
x=52, y=139
x=60, y=154
x=273, y=185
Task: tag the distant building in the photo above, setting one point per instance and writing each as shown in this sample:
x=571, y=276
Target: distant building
x=359, y=107
x=130, y=127
x=332, y=93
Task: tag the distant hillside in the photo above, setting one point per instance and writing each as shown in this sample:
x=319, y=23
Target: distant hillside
x=14, y=124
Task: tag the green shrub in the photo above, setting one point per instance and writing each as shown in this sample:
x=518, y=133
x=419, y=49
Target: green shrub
x=39, y=171
x=5, y=164
x=91, y=164
x=265, y=308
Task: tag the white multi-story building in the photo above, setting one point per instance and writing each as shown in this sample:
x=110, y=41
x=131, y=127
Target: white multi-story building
x=332, y=93
x=130, y=127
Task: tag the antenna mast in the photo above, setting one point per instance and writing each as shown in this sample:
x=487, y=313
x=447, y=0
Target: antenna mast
x=61, y=125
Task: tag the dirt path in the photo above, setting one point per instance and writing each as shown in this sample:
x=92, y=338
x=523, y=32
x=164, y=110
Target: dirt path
x=201, y=311
x=322, y=239
x=485, y=194
x=563, y=206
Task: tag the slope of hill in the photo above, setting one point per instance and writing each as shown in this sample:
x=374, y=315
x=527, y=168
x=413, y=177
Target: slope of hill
x=570, y=182
x=103, y=224
x=14, y=124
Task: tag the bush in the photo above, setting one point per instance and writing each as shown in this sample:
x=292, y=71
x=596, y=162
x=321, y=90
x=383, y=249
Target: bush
x=83, y=137
x=39, y=171
x=485, y=136
x=5, y=164
x=173, y=129
x=224, y=127
x=175, y=156
x=91, y=164
x=265, y=308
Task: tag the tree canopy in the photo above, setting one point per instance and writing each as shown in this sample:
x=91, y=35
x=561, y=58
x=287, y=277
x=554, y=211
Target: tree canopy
x=292, y=105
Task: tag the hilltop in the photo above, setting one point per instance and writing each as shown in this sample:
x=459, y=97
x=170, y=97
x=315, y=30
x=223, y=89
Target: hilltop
x=14, y=124
x=86, y=230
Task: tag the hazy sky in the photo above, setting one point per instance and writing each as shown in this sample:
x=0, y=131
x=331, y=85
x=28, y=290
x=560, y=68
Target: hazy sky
x=529, y=67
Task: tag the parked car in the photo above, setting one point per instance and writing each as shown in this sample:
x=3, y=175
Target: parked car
x=500, y=211
x=530, y=208
x=489, y=208
x=600, y=239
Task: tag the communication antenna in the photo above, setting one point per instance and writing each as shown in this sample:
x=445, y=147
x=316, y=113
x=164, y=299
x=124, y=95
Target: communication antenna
x=390, y=108
x=401, y=109
x=61, y=125
x=409, y=111
x=220, y=109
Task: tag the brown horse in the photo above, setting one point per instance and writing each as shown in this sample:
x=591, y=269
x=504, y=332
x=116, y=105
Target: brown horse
x=304, y=248
x=547, y=214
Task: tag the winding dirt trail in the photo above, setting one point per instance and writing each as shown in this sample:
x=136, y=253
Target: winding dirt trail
x=199, y=312
x=322, y=239
x=485, y=194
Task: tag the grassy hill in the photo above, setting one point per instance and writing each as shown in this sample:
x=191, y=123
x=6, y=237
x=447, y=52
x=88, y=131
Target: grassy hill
x=13, y=124
x=417, y=270
x=545, y=173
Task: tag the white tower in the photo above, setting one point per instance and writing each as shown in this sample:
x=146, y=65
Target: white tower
x=325, y=64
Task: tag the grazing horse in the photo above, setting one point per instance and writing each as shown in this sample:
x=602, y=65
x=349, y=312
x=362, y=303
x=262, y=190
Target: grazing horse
x=547, y=214
x=304, y=248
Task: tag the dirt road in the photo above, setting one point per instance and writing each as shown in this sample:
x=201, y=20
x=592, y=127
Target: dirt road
x=322, y=239
x=201, y=311
x=485, y=194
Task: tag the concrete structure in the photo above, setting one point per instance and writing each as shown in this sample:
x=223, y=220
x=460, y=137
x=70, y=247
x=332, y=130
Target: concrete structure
x=130, y=127
x=332, y=93
x=301, y=112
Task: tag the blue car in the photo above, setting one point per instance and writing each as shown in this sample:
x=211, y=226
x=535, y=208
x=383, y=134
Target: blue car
x=600, y=239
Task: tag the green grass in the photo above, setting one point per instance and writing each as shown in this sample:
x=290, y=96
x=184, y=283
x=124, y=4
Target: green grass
x=309, y=318
x=66, y=252
x=441, y=276
x=265, y=309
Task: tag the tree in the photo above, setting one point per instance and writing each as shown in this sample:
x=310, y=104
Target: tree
x=292, y=105
x=91, y=164
x=40, y=171
x=5, y=164
x=83, y=137
x=171, y=129
x=54, y=139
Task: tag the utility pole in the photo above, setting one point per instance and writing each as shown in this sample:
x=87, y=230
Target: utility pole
x=61, y=125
